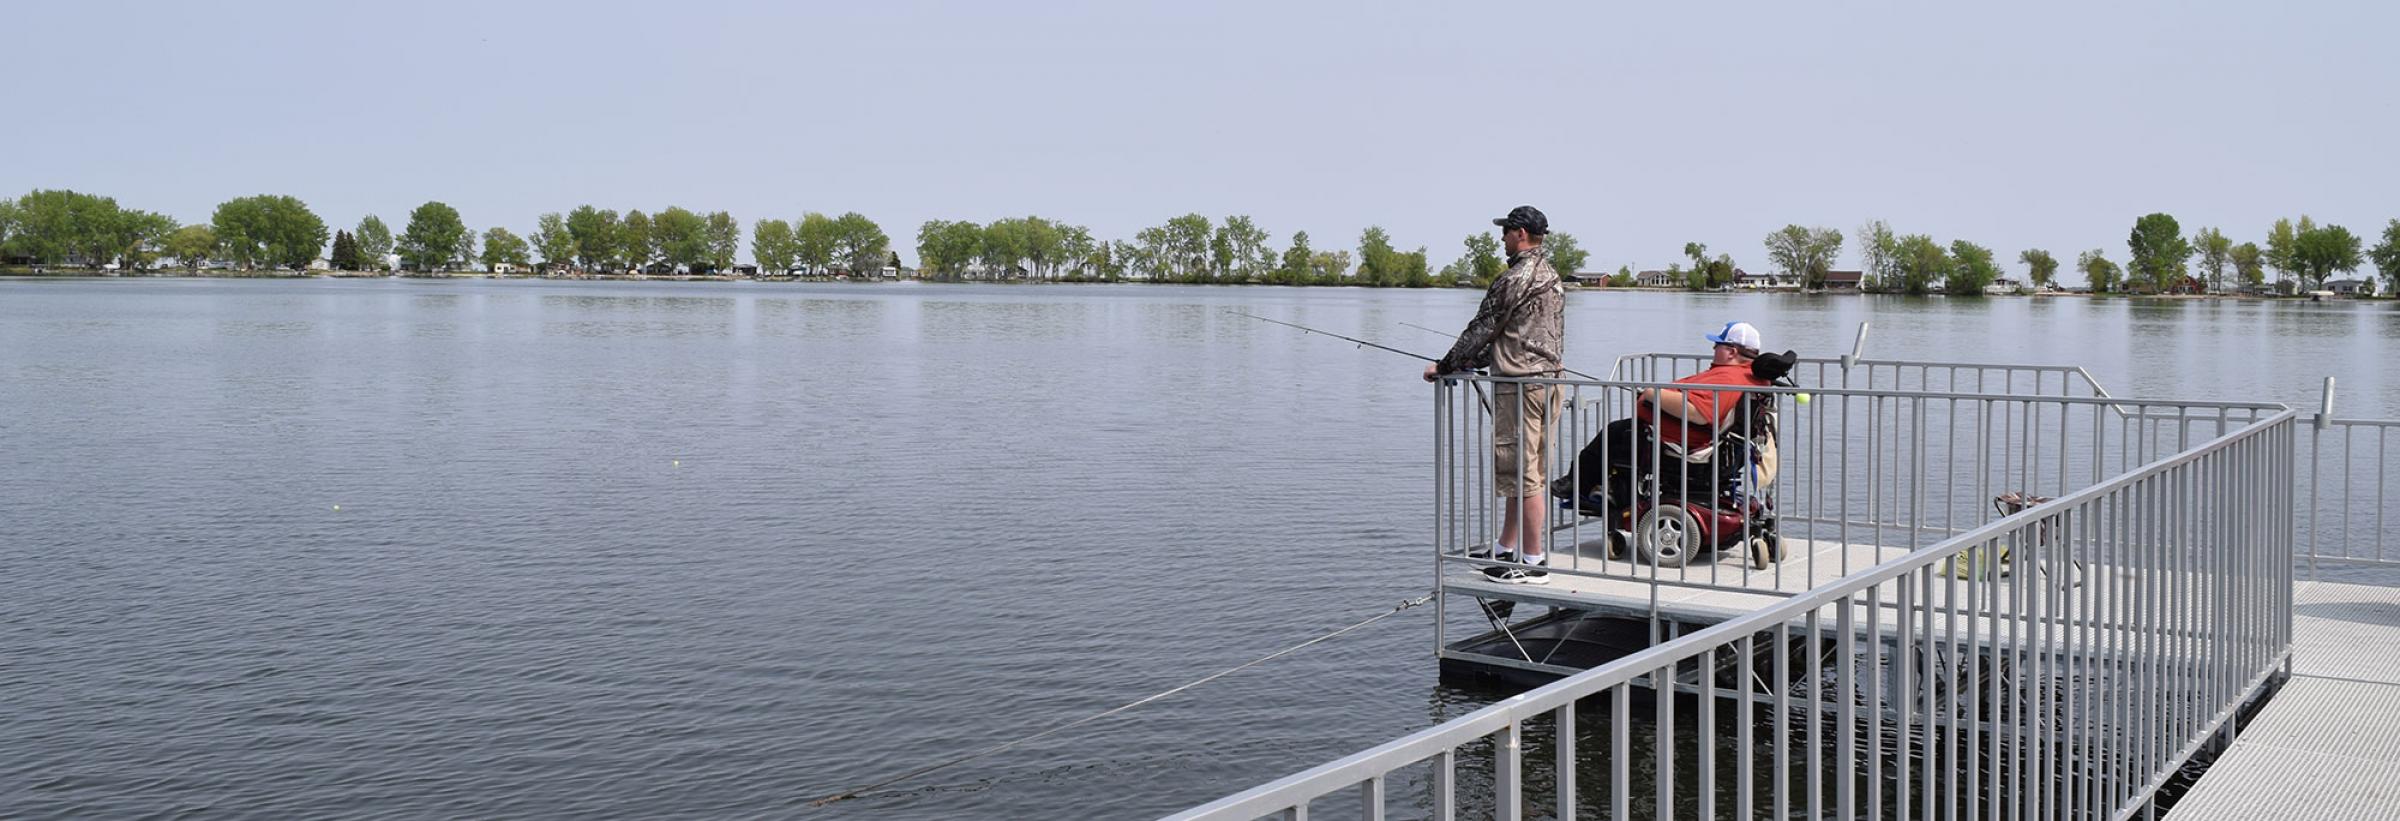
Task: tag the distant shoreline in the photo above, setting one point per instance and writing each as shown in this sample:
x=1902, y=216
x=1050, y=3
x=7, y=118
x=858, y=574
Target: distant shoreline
x=85, y=273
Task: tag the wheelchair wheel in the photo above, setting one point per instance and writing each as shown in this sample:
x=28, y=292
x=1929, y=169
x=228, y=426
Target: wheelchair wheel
x=1764, y=551
x=1667, y=536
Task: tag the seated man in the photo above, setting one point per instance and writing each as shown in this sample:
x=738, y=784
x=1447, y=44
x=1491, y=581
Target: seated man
x=1685, y=421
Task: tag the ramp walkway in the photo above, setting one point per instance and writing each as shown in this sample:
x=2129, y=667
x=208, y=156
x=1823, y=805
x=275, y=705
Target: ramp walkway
x=2328, y=745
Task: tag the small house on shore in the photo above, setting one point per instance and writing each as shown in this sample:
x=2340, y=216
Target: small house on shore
x=2351, y=287
x=1849, y=281
x=1765, y=281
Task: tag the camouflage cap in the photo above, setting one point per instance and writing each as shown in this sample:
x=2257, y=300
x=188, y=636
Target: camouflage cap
x=1526, y=217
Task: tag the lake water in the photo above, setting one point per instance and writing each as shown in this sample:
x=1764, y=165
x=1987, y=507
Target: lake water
x=475, y=548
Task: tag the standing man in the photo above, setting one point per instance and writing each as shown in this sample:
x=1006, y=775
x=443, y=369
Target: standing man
x=1520, y=330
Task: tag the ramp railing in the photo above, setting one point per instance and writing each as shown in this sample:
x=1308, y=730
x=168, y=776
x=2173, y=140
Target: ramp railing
x=2135, y=614
x=2348, y=490
x=1827, y=482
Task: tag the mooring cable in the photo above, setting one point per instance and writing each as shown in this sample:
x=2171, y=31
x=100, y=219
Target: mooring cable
x=856, y=791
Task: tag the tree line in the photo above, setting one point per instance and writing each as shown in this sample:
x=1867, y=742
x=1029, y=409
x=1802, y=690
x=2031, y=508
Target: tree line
x=2159, y=259
x=68, y=227
x=1195, y=249
x=57, y=227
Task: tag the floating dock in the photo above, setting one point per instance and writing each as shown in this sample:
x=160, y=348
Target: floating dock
x=2327, y=746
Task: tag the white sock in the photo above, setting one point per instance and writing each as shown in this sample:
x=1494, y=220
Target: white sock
x=1543, y=559
x=1499, y=549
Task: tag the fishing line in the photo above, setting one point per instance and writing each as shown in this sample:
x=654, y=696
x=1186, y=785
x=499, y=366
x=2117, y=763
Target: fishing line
x=855, y=791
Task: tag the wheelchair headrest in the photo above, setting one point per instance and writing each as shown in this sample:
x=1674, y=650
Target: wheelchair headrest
x=1773, y=366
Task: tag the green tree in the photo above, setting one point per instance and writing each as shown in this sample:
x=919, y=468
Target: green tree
x=2249, y=264
x=268, y=230
x=463, y=254
x=1240, y=250
x=1971, y=269
x=552, y=239
x=724, y=240
x=1183, y=252
x=681, y=238
x=430, y=243
x=1330, y=268
x=1075, y=247
x=2320, y=252
x=1122, y=259
x=2098, y=271
x=945, y=250
x=595, y=234
x=374, y=244
x=1565, y=255
x=504, y=247
x=1294, y=269
x=1878, y=256
x=1378, y=262
x=1040, y=239
x=2387, y=257
x=859, y=245
x=192, y=245
x=1005, y=244
x=2214, y=252
x=771, y=246
x=2040, y=267
x=1708, y=273
x=344, y=256
x=815, y=236
x=1415, y=270
x=8, y=225
x=1805, y=254
x=140, y=237
x=1480, y=264
x=1923, y=263
x=52, y=227
x=636, y=244
x=2159, y=253
x=2283, y=245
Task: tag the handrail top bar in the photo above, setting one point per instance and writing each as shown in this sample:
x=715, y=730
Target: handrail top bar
x=1872, y=392
x=1837, y=361
x=1315, y=782
x=1912, y=363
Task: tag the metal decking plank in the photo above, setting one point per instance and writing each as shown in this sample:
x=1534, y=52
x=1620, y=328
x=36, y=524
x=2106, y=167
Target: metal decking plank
x=2328, y=745
x=2252, y=783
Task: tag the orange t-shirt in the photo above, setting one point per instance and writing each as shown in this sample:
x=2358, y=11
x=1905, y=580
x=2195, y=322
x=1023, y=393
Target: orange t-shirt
x=1714, y=404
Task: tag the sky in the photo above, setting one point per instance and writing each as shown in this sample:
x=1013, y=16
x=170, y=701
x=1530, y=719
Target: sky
x=1636, y=127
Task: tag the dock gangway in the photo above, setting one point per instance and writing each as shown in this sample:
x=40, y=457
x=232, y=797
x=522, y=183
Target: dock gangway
x=1913, y=654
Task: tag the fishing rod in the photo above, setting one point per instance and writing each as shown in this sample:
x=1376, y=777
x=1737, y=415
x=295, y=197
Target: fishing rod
x=1335, y=335
x=1454, y=337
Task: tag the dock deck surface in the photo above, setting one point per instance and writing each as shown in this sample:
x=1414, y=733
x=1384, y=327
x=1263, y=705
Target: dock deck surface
x=2328, y=745
x=1734, y=587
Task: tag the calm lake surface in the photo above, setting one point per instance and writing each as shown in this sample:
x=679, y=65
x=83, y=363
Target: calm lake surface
x=464, y=548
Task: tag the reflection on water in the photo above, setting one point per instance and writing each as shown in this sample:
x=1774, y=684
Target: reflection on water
x=643, y=549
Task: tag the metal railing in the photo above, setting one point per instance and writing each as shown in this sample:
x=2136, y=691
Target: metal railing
x=1854, y=370
x=2150, y=604
x=1887, y=374
x=1860, y=476
x=2347, y=490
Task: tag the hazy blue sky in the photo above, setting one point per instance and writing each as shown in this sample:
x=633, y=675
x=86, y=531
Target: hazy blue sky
x=1638, y=128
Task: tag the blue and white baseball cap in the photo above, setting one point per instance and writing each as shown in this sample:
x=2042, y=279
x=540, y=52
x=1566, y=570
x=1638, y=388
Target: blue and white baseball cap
x=1737, y=333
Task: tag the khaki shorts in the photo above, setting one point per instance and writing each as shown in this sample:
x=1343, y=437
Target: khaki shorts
x=1521, y=416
